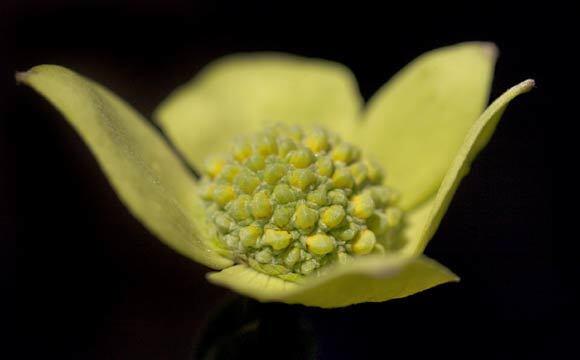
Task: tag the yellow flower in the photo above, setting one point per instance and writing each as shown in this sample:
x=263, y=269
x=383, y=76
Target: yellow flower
x=269, y=227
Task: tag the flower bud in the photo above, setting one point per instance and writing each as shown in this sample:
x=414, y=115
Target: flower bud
x=301, y=158
x=320, y=244
x=364, y=242
x=362, y=206
x=342, y=178
x=316, y=140
x=277, y=239
x=261, y=207
x=332, y=216
x=305, y=218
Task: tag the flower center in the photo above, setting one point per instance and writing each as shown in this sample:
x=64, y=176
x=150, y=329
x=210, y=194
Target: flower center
x=288, y=201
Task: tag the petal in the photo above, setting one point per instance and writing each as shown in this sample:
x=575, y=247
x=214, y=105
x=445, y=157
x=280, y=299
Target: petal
x=416, y=122
x=145, y=173
x=368, y=279
x=240, y=93
x=424, y=220
x=415, y=221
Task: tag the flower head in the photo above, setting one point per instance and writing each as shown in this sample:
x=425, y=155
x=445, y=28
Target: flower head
x=306, y=195
x=289, y=202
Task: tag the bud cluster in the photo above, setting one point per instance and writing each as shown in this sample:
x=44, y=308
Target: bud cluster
x=289, y=201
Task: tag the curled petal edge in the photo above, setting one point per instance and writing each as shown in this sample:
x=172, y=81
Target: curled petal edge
x=367, y=279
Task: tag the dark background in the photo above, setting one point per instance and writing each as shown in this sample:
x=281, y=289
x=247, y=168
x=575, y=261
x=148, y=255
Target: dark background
x=83, y=279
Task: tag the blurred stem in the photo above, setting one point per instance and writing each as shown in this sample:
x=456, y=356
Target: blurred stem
x=242, y=328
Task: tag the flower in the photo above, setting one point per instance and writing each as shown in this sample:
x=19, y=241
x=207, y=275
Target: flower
x=424, y=128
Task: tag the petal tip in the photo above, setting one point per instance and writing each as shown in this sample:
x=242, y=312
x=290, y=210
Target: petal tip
x=486, y=48
x=24, y=77
x=489, y=49
x=528, y=84
x=523, y=87
x=21, y=76
x=209, y=276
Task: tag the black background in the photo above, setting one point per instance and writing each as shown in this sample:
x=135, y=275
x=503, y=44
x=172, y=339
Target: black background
x=88, y=281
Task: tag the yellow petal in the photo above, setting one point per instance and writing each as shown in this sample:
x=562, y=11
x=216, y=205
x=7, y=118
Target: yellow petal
x=367, y=279
x=240, y=93
x=424, y=220
x=415, y=124
x=147, y=176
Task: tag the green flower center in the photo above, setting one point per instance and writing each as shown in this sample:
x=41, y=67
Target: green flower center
x=289, y=201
